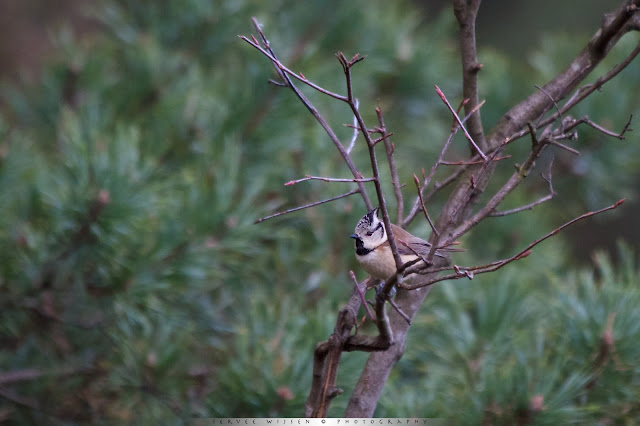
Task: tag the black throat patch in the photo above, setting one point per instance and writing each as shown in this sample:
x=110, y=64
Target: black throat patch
x=360, y=249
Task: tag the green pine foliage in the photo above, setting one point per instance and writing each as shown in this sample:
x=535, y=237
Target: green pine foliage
x=135, y=287
x=556, y=348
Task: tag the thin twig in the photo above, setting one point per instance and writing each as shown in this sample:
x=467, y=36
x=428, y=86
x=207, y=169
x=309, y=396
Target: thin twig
x=450, y=179
x=384, y=138
x=424, y=208
x=400, y=312
x=269, y=54
x=319, y=118
x=455, y=116
x=555, y=104
x=326, y=179
x=354, y=136
x=356, y=126
x=306, y=206
x=583, y=92
x=522, y=208
x=466, y=12
x=478, y=180
x=551, y=195
x=385, y=337
x=364, y=301
x=520, y=174
x=470, y=163
x=395, y=181
x=346, y=66
x=601, y=129
x=469, y=272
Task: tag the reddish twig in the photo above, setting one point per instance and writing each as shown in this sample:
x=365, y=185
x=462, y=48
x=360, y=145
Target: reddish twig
x=384, y=138
x=450, y=179
x=469, y=272
x=455, y=116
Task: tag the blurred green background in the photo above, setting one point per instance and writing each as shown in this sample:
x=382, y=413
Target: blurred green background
x=139, y=142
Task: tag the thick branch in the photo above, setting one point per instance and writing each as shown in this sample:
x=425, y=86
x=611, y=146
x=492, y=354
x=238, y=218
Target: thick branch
x=466, y=12
x=326, y=359
x=565, y=82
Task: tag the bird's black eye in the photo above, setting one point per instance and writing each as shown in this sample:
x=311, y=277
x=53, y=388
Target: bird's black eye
x=370, y=233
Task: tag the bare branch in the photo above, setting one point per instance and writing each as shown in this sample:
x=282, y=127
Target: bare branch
x=463, y=272
x=601, y=129
x=585, y=91
x=395, y=181
x=284, y=70
x=424, y=209
x=455, y=116
x=361, y=294
x=520, y=174
x=466, y=12
x=563, y=146
x=530, y=206
x=399, y=311
x=326, y=179
x=354, y=137
x=327, y=358
x=555, y=104
x=346, y=66
x=416, y=205
x=384, y=138
x=345, y=156
x=457, y=216
x=471, y=163
x=306, y=206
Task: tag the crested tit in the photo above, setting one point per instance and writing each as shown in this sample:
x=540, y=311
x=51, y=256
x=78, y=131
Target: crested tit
x=374, y=252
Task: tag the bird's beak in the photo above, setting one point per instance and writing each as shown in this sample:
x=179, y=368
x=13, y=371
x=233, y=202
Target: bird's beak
x=354, y=236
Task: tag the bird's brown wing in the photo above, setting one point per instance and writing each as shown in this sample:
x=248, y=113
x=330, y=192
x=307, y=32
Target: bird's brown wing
x=420, y=246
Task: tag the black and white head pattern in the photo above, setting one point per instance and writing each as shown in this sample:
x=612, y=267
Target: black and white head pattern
x=369, y=233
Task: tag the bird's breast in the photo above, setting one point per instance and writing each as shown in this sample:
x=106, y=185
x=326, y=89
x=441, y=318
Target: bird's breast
x=379, y=263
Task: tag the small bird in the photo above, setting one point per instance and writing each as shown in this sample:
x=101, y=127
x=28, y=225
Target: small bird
x=374, y=252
